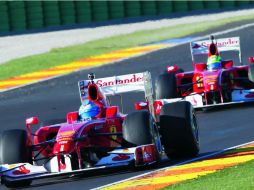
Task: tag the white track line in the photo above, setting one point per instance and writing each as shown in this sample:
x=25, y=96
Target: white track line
x=173, y=166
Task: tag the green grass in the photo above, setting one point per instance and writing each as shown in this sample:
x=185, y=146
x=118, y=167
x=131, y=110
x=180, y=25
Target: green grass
x=60, y=56
x=233, y=178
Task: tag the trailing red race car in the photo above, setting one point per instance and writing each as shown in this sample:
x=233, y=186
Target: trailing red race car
x=99, y=137
x=212, y=83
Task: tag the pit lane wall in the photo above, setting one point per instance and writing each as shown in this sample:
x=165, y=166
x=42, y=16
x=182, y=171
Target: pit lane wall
x=20, y=16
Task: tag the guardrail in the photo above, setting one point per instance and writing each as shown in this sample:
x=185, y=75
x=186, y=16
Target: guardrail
x=17, y=16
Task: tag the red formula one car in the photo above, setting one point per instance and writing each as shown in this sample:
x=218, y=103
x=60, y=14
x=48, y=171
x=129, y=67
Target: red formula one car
x=107, y=140
x=205, y=86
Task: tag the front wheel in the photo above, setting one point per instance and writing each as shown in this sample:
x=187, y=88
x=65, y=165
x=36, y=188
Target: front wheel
x=139, y=128
x=179, y=130
x=14, y=149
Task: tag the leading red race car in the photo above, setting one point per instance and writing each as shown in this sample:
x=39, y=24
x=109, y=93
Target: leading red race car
x=204, y=86
x=107, y=140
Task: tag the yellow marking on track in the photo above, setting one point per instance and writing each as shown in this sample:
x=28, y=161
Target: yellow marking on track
x=115, y=55
x=147, y=48
x=230, y=160
x=77, y=65
x=15, y=82
x=158, y=180
x=45, y=72
x=74, y=65
x=167, y=179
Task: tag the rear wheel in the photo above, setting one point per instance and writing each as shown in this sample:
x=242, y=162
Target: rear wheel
x=165, y=86
x=139, y=129
x=251, y=72
x=179, y=130
x=14, y=149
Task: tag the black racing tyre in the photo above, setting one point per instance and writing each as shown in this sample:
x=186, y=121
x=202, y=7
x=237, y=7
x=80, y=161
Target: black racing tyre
x=251, y=73
x=140, y=129
x=213, y=97
x=179, y=130
x=165, y=86
x=227, y=95
x=226, y=88
x=13, y=147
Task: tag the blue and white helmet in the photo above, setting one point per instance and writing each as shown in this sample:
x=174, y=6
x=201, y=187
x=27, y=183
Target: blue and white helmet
x=88, y=110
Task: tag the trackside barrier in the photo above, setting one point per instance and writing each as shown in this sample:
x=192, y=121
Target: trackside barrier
x=83, y=12
x=17, y=15
x=148, y=8
x=67, y=12
x=196, y=5
x=164, y=7
x=132, y=8
x=116, y=9
x=180, y=6
x=4, y=17
x=51, y=13
x=100, y=10
x=23, y=15
x=34, y=14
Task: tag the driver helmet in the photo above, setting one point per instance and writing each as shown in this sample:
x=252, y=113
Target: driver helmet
x=214, y=62
x=88, y=110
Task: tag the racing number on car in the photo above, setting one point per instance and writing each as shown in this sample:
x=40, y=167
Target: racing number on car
x=199, y=82
x=113, y=130
x=231, y=76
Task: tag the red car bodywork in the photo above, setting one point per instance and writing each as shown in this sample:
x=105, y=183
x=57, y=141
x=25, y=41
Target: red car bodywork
x=102, y=133
x=203, y=87
x=204, y=81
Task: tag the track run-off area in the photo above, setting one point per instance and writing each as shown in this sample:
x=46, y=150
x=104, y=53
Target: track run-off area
x=53, y=99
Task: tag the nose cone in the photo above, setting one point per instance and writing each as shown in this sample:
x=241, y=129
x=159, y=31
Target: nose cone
x=210, y=81
x=63, y=147
x=64, y=140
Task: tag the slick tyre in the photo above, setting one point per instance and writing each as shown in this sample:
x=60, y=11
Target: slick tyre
x=251, y=73
x=140, y=129
x=13, y=147
x=165, y=86
x=179, y=130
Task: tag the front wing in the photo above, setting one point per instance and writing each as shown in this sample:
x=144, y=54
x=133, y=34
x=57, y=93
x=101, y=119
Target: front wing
x=137, y=156
x=238, y=97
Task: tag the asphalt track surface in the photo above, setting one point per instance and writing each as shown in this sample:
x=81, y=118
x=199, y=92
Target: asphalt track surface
x=51, y=100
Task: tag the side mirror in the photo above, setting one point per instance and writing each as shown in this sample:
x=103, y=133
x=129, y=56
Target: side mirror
x=32, y=121
x=71, y=117
x=29, y=122
x=171, y=69
x=200, y=67
x=112, y=111
x=157, y=106
x=251, y=60
x=141, y=105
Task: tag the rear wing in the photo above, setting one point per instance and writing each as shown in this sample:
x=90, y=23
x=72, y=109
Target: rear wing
x=110, y=86
x=223, y=44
